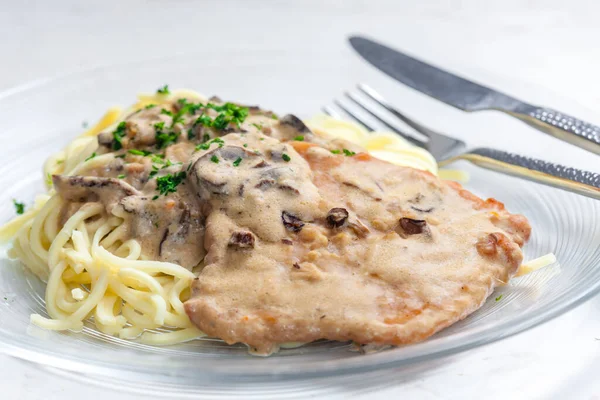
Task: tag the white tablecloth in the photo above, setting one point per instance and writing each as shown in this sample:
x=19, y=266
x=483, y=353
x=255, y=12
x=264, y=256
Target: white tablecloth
x=549, y=43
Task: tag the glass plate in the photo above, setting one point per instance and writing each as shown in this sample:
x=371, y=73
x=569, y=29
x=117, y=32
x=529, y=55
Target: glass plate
x=40, y=118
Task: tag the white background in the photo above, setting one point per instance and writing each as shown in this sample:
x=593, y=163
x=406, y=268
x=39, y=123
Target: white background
x=553, y=44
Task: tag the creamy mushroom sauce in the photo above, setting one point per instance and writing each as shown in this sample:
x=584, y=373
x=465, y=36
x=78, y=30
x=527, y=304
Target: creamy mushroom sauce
x=298, y=243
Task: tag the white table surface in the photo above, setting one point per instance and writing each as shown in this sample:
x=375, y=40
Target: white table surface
x=548, y=43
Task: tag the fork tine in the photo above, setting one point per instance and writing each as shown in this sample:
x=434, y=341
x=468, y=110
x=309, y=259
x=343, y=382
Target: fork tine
x=380, y=100
x=331, y=112
x=353, y=116
x=410, y=138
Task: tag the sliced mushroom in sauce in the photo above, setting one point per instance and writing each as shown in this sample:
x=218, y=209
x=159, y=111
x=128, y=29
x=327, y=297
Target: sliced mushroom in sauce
x=242, y=240
x=291, y=222
x=337, y=217
x=92, y=188
x=413, y=226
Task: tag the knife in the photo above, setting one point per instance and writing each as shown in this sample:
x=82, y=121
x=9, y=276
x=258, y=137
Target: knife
x=470, y=96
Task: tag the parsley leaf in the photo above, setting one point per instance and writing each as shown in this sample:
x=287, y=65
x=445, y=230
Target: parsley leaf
x=149, y=106
x=336, y=151
x=204, y=120
x=91, y=156
x=164, y=139
x=348, y=153
x=220, y=122
x=285, y=157
x=168, y=183
x=137, y=152
x=121, y=176
x=257, y=126
x=206, y=145
x=499, y=297
x=203, y=146
x=19, y=207
x=166, y=112
x=163, y=90
x=214, y=159
x=299, y=138
x=228, y=113
x=237, y=162
x=118, y=135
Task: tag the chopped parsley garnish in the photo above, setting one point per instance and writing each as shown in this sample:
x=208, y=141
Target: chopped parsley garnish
x=245, y=145
x=164, y=139
x=122, y=176
x=228, y=113
x=190, y=134
x=186, y=107
x=155, y=197
x=159, y=163
x=118, y=135
x=348, y=153
x=120, y=156
x=168, y=183
x=336, y=151
x=204, y=120
x=166, y=112
x=149, y=106
x=206, y=137
x=214, y=159
x=19, y=207
x=299, y=138
x=285, y=157
x=158, y=158
x=91, y=156
x=274, y=116
x=220, y=122
x=499, y=297
x=163, y=90
x=137, y=152
x=257, y=126
x=206, y=145
x=237, y=162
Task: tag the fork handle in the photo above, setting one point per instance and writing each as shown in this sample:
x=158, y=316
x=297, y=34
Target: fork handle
x=573, y=180
x=561, y=126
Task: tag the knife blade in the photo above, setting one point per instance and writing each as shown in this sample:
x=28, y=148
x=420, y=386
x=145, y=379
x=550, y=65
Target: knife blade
x=470, y=96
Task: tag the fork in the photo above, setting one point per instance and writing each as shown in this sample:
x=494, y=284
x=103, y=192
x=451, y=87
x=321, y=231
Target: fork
x=446, y=149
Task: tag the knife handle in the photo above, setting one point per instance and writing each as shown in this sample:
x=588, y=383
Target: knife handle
x=561, y=126
x=573, y=180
